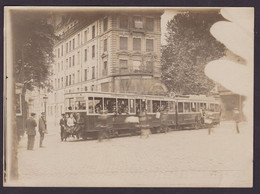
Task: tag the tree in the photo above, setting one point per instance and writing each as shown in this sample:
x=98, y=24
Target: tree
x=33, y=42
x=190, y=46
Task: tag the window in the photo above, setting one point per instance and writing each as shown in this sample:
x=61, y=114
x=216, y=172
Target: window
x=86, y=88
x=193, y=106
x=58, y=52
x=78, y=76
x=149, y=67
x=61, y=50
x=164, y=105
x=123, y=22
x=67, y=48
x=122, y=106
x=149, y=45
x=93, y=72
x=70, y=45
x=137, y=44
x=110, y=105
x=70, y=62
x=136, y=66
x=171, y=106
x=70, y=80
x=105, y=24
x=149, y=106
x=78, y=39
x=138, y=23
x=93, y=31
x=180, y=107
x=62, y=82
x=66, y=80
x=123, y=66
x=73, y=43
x=73, y=78
x=80, y=103
x=67, y=63
x=149, y=24
x=105, y=45
x=90, y=105
x=86, y=75
x=123, y=43
x=58, y=67
x=156, y=106
x=78, y=57
x=93, y=51
x=61, y=65
x=73, y=60
x=98, y=104
x=85, y=36
x=86, y=55
x=105, y=69
x=186, y=107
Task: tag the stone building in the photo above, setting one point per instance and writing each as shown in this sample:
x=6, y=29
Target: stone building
x=109, y=52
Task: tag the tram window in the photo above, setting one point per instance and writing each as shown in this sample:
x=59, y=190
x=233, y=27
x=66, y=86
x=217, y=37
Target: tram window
x=122, y=106
x=98, y=104
x=217, y=109
x=132, y=106
x=203, y=106
x=186, y=107
x=149, y=106
x=156, y=105
x=80, y=103
x=193, y=106
x=90, y=105
x=110, y=105
x=71, y=104
x=164, y=105
x=143, y=106
x=180, y=107
x=171, y=106
x=211, y=107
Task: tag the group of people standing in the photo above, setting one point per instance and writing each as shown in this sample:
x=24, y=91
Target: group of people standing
x=31, y=125
x=71, y=125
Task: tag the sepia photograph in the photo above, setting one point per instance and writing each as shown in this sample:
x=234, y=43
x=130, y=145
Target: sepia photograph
x=98, y=96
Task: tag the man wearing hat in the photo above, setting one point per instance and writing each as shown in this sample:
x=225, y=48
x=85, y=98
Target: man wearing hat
x=42, y=128
x=62, y=126
x=30, y=130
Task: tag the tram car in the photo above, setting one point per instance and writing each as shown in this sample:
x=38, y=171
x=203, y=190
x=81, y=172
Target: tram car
x=123, y=113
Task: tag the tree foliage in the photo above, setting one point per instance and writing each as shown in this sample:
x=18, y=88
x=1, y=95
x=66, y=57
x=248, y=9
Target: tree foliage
x=190, y=46
x=33, y=39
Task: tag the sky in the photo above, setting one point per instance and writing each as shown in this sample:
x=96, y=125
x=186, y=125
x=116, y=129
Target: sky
x=168, y=15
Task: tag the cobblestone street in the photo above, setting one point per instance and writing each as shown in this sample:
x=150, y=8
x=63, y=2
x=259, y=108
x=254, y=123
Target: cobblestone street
x=177, y=159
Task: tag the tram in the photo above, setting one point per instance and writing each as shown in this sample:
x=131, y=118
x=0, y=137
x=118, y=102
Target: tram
x=122, y=112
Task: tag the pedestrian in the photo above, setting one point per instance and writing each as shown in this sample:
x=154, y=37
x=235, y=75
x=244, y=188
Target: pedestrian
x=42, y=128
x=71, y=124
x=209, y=121
x=164, y=118
x=79, y=125
x=30, y=125
x=62, y=126
x=236, y=118
x=103, y=126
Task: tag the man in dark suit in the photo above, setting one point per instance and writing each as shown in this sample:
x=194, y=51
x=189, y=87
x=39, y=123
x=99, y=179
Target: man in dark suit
x=30, y=130
x=62, y=126
x=42, y=128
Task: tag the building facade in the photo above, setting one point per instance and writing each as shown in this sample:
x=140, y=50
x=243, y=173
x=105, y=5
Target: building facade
x=112, y=52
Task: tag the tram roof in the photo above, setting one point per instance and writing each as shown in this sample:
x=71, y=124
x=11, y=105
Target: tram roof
x=125, y=95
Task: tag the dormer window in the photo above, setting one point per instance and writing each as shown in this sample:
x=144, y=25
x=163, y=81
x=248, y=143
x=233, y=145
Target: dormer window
x=138, y=23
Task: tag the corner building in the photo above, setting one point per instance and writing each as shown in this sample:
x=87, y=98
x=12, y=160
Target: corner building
x=108, y=52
